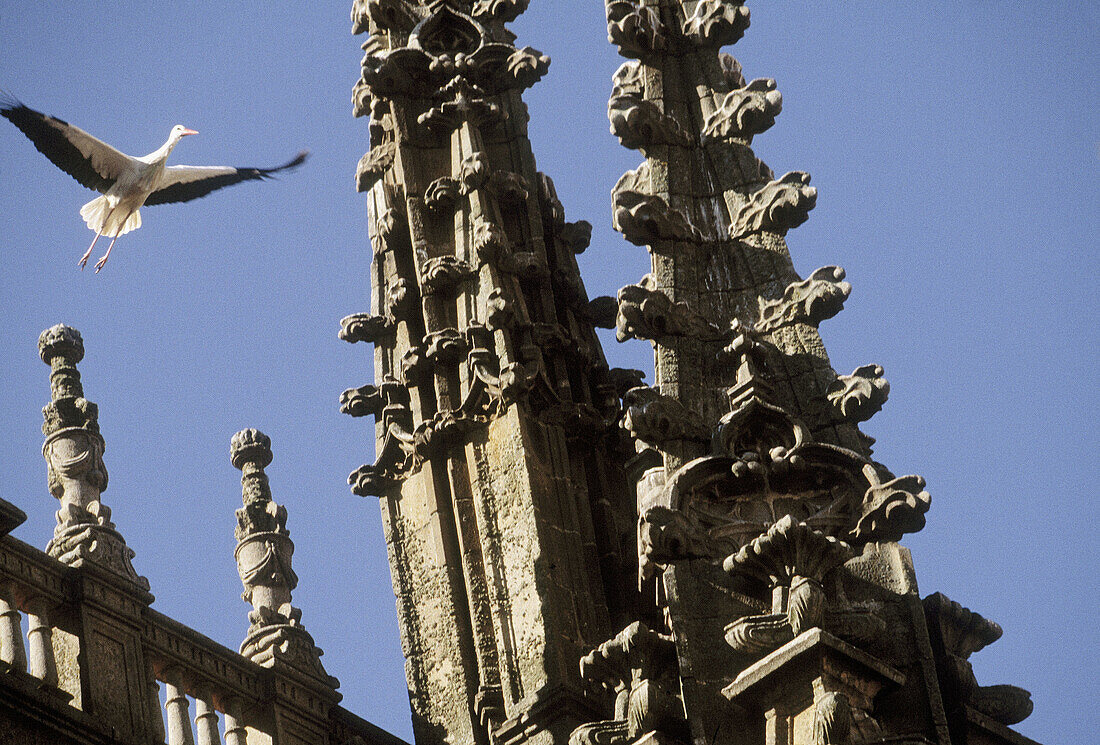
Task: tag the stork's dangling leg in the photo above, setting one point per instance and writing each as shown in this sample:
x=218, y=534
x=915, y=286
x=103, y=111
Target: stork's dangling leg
x=103, y=259
x=84, y=258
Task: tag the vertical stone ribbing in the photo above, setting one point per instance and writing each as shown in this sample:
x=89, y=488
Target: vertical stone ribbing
x=494, y=404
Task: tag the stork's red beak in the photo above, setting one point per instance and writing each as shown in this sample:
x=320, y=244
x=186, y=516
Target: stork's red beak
x=190, y=132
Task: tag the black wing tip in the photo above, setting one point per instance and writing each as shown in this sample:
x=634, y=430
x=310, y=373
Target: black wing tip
x=297, y=160
x=8, y=102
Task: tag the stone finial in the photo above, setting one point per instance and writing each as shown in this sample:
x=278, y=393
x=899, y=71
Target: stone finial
x=74, y=460
x=264, y=553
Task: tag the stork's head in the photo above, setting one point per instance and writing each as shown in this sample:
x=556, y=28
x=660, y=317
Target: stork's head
x=179, y=132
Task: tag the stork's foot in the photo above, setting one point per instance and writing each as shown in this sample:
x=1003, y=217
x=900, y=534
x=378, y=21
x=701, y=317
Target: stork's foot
x=99, y=264
x=84, y=259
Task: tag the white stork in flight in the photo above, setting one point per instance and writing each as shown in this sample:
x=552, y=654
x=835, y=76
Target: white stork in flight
x=125, y=182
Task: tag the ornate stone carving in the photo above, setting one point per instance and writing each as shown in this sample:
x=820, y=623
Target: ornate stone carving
x=962, y=632
x=638, y=123
x=503, y=10
x=373, y=166
x=466, y=103
x=577, y=235
x=635, y=29
x=490, y=240
x=645, y=312
x=717, y=23
x=777, y=207
x=638, y=667
x=794, y=556
x=73, y=450
x=859, y=396
x=443, y=274
x=832, y=719
x=363, y=327
x=812, y=300
x=656, y=419
x=645, y=219
x=263, y=555
x=891, y=508
x=442, y=193
x=745, y=112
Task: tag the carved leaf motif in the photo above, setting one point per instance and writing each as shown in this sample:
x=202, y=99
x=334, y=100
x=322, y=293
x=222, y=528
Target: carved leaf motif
x=859, y=396
x=443, y=274
x=509, y=186
x=363, y=401
x=813, y=300
x=777, y=207
x=893, y=508
x=717, y=23
x=490, y=240
x=372, y=481
x=527, y=265
x=745, y=112
x=645, y=219
x=467, y=103
x=832, y=719
x=645, y=312
x=656, y=419
x=731, y=71
x=441, y=193
x=373, y=165
x=502, y=10
x=527, y=66
x=635, y=29
x=577, y=235
x=638, y=123
x=499, y=313
x=446, y=346
x=473, y=171
x=363, y=327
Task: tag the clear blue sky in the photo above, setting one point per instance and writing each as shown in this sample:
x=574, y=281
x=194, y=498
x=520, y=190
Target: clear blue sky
x=955, y=150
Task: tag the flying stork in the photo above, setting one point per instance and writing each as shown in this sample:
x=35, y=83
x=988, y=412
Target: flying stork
x=125, y=182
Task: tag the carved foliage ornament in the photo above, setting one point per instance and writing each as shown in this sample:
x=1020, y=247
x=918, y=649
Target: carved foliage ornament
x=374, y=165
x=635, y=29
x=645, y=312
x=859, y=396
x=812, y=300
x=777, y=207
x=716, y=23
x=745, y=112
x=646, y=219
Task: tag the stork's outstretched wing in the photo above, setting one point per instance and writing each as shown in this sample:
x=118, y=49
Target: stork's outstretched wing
x=184, y=183
x=92, y=162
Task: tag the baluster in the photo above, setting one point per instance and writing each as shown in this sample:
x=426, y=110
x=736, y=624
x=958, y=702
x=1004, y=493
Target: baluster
x=156, y=719
x=43, y=664
x=175, y=704
x=206, y=720
x=11, y=631
x=235, y=731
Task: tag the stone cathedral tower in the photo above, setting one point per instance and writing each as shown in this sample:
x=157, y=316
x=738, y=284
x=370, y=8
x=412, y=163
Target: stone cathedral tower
x=582, y=558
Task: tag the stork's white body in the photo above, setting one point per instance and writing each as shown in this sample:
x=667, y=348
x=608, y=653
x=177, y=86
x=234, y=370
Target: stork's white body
x=126, y=182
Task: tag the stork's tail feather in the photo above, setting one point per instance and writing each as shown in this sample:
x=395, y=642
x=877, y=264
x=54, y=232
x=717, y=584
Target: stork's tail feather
x=98, y=216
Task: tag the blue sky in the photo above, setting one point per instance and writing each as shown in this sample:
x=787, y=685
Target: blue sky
x=955, y=151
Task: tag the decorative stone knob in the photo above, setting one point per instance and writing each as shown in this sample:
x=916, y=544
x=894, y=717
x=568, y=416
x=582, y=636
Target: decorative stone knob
x=61, y=341
x=250, y=446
